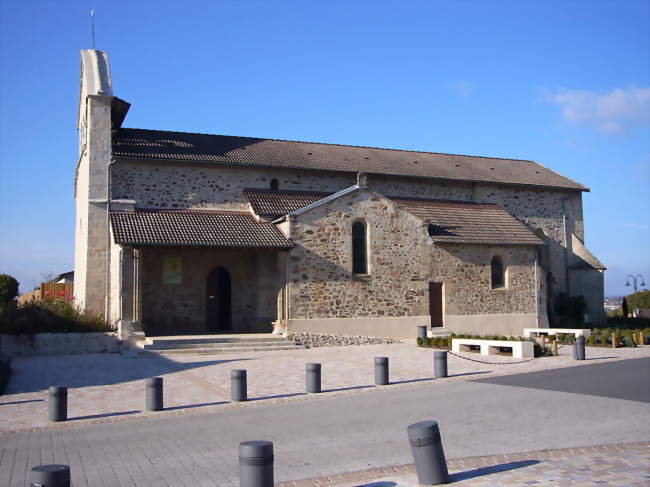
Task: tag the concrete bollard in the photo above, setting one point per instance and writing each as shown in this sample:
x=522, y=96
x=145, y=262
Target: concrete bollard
x=256, y=464
x=614, y=340
x=440, y=364
x=381, y=371
x=429, y=457
x=58, y=404
x=155, y=394
x=238, y=386
x=422, y=332
x=50, y=476
x=579, y=345
x=313, y=378
x=554, y=347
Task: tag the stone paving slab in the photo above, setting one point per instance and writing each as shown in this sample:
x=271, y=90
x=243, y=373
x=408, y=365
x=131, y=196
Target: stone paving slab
x=619, y=465
x=111, y=387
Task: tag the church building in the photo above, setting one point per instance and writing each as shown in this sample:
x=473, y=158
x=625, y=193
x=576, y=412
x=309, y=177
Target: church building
x=194, y=233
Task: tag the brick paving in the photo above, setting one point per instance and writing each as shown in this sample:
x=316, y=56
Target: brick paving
x=618, y=465
x=110, y=387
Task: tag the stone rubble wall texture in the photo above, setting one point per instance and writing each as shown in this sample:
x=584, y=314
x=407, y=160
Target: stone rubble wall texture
x=403, y=260
x=168, y=308
x=176, y=186
x=59, y=344
x=327, y=340
x=320, y=264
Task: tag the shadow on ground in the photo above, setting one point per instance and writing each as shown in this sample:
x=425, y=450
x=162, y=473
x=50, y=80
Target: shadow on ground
x=480, y=472
x=38, y=373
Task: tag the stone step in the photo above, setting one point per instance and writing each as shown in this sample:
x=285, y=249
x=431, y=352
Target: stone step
x=216, y=350
x=215, y=339
x=175, y=345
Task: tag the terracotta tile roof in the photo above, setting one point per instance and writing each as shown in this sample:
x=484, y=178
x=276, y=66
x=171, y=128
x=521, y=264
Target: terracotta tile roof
x=194, y=228
x=468, y=222
x=453, y=221
x=275, y=203
x=256, y=152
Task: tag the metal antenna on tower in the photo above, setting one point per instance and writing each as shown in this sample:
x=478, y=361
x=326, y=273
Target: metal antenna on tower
x=92, y=21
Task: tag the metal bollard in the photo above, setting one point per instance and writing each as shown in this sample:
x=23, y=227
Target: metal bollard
x=579, y=347
x=440, y=364
x=381, y=371
x=58, y=404
x=422, y=332
x=256, y=464
x=155, y=394
x=313, y=378
x=429, y=457
x=238, y=386
x=50, y=476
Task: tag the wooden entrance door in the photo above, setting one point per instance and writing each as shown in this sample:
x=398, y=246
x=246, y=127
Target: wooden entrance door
x=218, y=300
x=435, y=303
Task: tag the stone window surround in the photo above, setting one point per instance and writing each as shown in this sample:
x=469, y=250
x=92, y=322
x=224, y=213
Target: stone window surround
x=367, y=275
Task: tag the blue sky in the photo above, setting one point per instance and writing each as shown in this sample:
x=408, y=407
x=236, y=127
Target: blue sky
x=565, y=83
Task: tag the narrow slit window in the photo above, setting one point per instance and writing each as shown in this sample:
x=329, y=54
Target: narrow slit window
x=359, y=248
x=274, y=185
x=497, y=272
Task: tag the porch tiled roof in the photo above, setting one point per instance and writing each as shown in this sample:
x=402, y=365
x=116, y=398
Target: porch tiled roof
x=220, y=150
x=194, y=228
x=275, y=203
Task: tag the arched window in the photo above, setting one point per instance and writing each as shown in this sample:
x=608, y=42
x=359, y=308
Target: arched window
x=498, y=277
x=359, y=248
x=274, y=185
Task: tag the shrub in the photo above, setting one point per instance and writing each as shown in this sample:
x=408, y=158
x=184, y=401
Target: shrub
x=51, y=316
x=628, y=341
x=591, y=340
x=420, y=342
x=8, y=291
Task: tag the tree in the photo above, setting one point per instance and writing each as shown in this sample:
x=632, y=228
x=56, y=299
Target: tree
x=8, y=291
x=625, y=307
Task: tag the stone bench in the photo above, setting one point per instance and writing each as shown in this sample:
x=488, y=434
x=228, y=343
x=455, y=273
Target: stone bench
x=577, y=332
x=491, y=347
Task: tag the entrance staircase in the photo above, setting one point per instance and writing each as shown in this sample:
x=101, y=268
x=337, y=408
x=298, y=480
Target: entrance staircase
x=217, y=344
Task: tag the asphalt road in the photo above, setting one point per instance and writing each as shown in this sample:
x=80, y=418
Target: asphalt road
x=580, y=406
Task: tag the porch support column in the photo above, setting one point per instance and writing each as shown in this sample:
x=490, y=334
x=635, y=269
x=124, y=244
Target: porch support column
x=127, y=284
x=137, y=285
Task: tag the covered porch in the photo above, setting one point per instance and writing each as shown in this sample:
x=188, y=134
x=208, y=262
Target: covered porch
x=196, y=272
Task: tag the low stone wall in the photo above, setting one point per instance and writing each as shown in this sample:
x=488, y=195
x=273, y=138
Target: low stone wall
x=59, y=344
x=325, y=340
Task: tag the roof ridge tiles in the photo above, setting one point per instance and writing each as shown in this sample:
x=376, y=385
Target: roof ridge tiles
x=332, y=144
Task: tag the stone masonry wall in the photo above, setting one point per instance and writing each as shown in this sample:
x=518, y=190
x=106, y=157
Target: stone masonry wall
x=201, y=186
x=320, y=264
x=466, y=274
x=403, y=260
x=181, y=308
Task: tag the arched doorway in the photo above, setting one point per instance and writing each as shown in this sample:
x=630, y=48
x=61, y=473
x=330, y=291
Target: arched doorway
x=218, y=300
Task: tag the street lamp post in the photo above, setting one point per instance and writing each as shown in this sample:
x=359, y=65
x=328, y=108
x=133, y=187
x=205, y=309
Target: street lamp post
x=634, y=279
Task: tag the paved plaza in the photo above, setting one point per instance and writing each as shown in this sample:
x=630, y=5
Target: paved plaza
x=622, y=465
x=111, y=387
x=487, y=413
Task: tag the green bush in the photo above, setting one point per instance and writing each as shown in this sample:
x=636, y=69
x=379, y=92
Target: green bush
x=51, y=316
x=8, y=291
x=420, y=342
x=628, y=341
